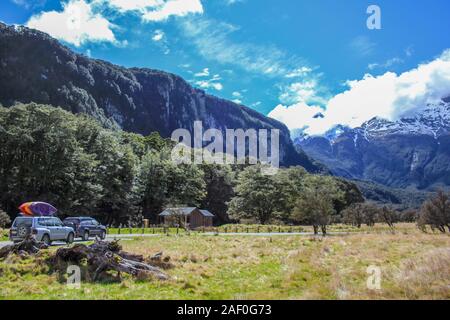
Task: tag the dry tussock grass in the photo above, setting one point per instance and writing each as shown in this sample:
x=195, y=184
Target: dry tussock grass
x=427, y=276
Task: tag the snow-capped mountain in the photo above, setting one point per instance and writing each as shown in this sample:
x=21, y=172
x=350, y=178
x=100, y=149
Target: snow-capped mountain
x=433, y=121
x=411, y=152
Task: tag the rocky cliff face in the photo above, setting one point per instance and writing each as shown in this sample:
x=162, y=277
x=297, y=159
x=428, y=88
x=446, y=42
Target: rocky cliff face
x=37, y=68
x=411, y=152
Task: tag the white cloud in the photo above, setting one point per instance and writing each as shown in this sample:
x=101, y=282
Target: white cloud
x=212, y=83
x=388, y=96
x=299, y=92
x=362, y=45
x=231, y=2
x=160, y=40
x=158, y=35
x=385, y=65
x=29, y=4
x=409, y=51
x=76, y=24
x=299, y=116
x=203, y=73
x=209, y=84
x=158, y=10
x=173, y=8
x=212, y=40
x=132, y=5
x=300, y=72
x=237, y=94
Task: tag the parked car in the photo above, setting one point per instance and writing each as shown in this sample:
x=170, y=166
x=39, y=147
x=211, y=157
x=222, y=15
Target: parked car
x=86, y=227
x=45, y=229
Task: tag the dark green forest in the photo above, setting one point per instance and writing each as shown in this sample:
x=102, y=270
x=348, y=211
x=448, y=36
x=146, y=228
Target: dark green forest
x=48, y=154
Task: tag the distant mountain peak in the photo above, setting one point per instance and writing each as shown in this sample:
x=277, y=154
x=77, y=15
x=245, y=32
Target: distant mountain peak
x=434, y=121
x=336, y=131
x=412, y=152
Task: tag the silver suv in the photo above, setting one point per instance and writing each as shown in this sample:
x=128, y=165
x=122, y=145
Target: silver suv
x=45, y=229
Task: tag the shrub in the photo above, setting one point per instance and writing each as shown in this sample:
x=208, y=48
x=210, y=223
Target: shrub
x=361, y=213
x=4, y=219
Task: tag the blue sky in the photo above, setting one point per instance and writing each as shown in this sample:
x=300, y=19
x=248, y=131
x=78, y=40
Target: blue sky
x=288, y=58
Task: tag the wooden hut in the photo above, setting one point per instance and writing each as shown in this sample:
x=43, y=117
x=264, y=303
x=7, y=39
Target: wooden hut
x=190, y=217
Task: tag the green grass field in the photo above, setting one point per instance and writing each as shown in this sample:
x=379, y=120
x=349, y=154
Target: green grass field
x=413, y=265
x=4, y=233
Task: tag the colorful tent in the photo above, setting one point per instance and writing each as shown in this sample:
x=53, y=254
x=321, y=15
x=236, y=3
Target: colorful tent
x=37, y=209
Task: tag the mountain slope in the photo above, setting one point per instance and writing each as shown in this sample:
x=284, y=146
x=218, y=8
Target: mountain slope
x=411, y=152
x=37, y=68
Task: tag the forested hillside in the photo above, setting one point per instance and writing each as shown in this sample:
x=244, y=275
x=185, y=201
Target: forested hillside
x=37, y=68
x=73, y=162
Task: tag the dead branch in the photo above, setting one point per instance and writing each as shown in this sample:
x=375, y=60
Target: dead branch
x=28, y=246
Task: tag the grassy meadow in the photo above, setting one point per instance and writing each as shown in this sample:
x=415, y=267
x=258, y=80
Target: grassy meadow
x=4, y=233
x=414, y=265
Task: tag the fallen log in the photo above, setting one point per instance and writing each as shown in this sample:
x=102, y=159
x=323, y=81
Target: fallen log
x=102, y=257
x=28, y=246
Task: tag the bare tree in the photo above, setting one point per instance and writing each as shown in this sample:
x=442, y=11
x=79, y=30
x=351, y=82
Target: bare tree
x=360, y=213
x=387, y=215
x=409, y=215
x=436, y=213
x=354, y=215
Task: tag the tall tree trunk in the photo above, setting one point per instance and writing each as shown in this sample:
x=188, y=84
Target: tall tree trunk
x=316, y=229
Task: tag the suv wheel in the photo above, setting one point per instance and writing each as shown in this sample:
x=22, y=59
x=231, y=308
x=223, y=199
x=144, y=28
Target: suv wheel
x=23, y=231
x=85, y=236
x=70, y=238
x=46, y=239
x=103, y=235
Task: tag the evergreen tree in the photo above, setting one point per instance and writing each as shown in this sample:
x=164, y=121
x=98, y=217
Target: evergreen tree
x=258, y=196
x=315, y=206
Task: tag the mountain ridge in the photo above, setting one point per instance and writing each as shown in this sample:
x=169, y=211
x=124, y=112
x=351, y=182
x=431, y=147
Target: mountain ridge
x=412, y=152
x=38, y=68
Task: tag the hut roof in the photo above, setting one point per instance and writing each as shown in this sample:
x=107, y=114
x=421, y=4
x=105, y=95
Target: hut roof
x=177, y=211
x=206, y=213
x=183, y=211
